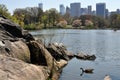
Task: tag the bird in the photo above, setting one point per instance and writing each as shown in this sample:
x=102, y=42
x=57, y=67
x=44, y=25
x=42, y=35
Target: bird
x=87, y=70
x=107, y=77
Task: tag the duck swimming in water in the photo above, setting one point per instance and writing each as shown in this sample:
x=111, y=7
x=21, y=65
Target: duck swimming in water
x=87, y=70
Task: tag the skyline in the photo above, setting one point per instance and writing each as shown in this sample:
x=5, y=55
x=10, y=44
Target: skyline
x=112, y=6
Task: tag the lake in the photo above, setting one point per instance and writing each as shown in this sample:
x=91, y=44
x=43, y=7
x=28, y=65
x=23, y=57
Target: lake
x=105, y=44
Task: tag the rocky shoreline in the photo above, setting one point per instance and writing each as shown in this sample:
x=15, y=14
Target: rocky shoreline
x=24, y=58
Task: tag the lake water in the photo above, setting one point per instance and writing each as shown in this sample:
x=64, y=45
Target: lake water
x=105, y=44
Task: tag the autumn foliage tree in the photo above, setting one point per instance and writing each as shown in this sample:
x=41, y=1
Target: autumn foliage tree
x=62, y=24
x=76, y=23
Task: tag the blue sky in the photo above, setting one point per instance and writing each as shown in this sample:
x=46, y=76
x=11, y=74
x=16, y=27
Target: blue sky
x=47, y=4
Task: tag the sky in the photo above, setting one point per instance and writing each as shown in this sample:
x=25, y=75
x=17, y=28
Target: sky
x=47, y=4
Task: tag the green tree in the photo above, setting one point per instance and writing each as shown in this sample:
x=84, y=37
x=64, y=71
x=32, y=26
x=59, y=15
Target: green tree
x=19, y=14
x=4, y=11
x=115, y=20
x=53, y=16
x=45, y=20
x=84, y=18
x=40, y=14
x=68, y=18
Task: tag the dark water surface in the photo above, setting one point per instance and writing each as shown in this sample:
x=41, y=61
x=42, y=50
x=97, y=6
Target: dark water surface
x=105, y=44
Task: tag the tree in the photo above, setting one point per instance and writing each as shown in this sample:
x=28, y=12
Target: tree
x=115, y=20
x=40, y=14
x=89, y=24
x=62, y=24
x=68, y=18
x=76, y=23
x=84, y=18
x=28, y=15
x=19, y=14
x=45, y=20
x=53, y=16
x=4, y=11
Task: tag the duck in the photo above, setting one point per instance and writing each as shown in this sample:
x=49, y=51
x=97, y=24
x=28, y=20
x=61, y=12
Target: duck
x=115, y=29
x=87, y=70
x=107, y=77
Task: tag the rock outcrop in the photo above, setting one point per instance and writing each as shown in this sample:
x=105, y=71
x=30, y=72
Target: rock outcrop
x=85, y=56
x=24, y=58
x=59, y=51
x=14, y=69
x=12, y=42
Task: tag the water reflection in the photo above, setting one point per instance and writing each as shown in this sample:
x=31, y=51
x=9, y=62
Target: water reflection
x=105, y=44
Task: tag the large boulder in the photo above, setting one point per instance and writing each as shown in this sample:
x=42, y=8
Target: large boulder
x=59, y=51
x=14, y=69
x=13, y=46
x=85, y=56
x=11, y=27
x=13, y=40
x=41, y=56
x=14, y=30
x=19, y=50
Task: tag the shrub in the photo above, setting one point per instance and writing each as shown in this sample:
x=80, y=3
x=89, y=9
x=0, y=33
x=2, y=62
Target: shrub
x=89, y=24
x=76, y=23
x=62, y=24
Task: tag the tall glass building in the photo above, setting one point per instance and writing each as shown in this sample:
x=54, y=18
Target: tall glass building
x=62, y=9
x=90, y=10
x=101, y=9
x=75, y=9
x=40, y=5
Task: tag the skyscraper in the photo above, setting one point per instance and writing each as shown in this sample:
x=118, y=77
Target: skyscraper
x=83, y=11
x=100, y=9
x=106, y=13
x=62, y=9
x=90, y=10
x=118, y=11
x=40, y=5
x=75, y=9
x=67, y=9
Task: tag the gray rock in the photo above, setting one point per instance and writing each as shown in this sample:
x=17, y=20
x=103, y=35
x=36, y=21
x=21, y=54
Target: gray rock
x=85, y=56
x=58, y=52
x=14, y=69
x=17, y=45
x=14, y=30
x=11, y=27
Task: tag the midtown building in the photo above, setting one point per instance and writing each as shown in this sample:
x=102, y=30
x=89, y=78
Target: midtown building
x=75, y=9
x=67, y=10
x=83, y=11
x=118, y=11
x=94, y=12
x=101, y=9
x=90, y=10
x=40, y=5
x=62, y=9
x=107, y=13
